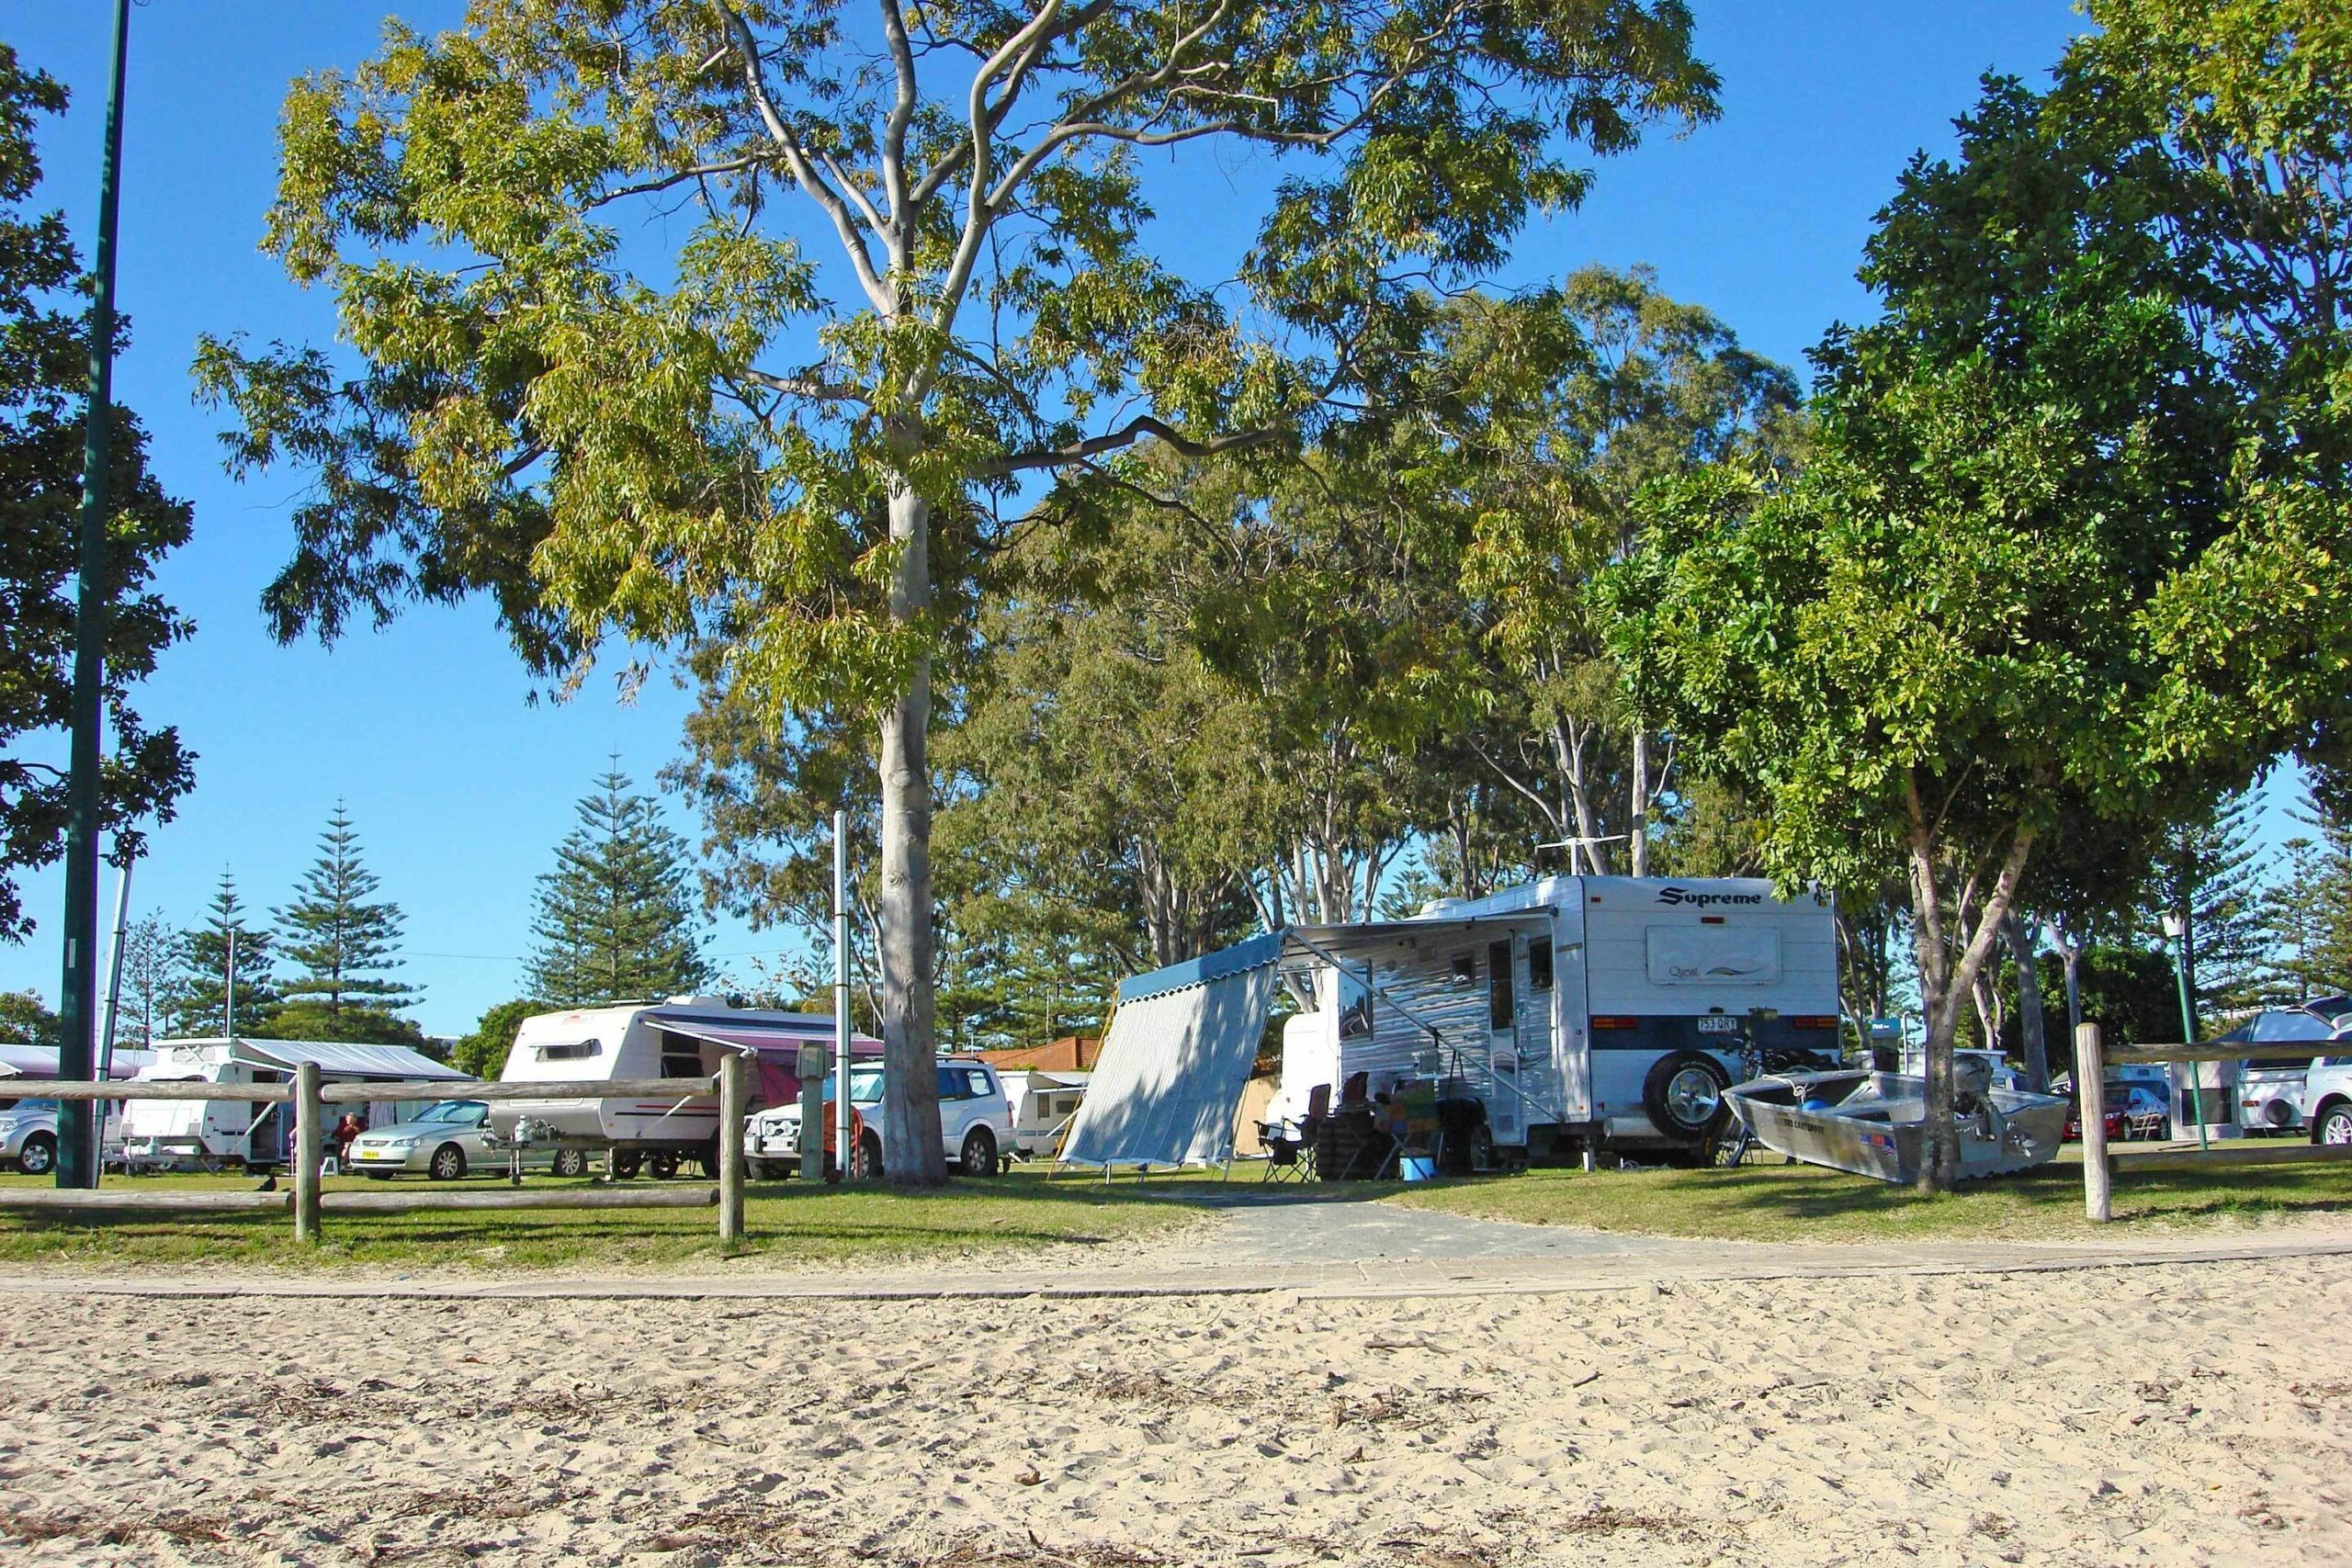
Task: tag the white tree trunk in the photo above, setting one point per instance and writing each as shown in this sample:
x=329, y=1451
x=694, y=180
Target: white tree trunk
x=1637, y=828
x=912, y=1153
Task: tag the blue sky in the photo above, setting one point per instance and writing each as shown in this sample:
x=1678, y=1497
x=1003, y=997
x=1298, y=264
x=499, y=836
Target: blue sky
x=459, y=786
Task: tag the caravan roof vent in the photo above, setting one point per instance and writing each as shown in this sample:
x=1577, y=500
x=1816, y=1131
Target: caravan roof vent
x=697, y=1000
x=1437, y=906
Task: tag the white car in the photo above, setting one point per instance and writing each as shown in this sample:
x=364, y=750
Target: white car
x=2327, y=1098
x=975, y=1119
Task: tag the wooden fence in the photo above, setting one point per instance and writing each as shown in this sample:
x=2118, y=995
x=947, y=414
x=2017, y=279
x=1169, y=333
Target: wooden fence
x=2100, y=1167
x=310, y=1096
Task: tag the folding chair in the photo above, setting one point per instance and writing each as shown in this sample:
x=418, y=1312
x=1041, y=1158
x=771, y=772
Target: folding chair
x=1287, y=1158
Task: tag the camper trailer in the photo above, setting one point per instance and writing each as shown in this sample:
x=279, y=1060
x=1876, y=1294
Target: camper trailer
x=1042, y=1104
x=214, y=1134
x=1576, y=1011
x=683, y=1038
x=1573, y=1013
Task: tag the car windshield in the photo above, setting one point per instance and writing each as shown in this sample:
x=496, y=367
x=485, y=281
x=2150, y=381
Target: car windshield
x=865, y=1086
x=2289, y=1025
x=463, y=1110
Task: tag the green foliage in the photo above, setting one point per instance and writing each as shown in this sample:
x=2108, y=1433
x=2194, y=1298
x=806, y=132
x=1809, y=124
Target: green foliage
x=44, y=361
x=615, y=919
x=344, y=945
x=24, y=1021
x=2307, y=911
x=482, y=1052
x=198, y=1002
x=350, y=1023
x=2205, y=872
x=149, y=958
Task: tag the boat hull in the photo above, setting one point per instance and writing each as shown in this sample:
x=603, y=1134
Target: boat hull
x=1874, y=1125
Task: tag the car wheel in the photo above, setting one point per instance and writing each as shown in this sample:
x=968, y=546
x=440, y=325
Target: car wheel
x=568, y=1162
x=624, y=1163
x=866, y=1164
x=448, y=1163
x=708, y=1161
x=38, y=1157
x=980, y=1152
x=1684, y=1094
x=2335, y=1128
x=664, y=1166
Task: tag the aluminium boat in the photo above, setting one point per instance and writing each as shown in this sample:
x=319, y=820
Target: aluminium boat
x=1875, y=1124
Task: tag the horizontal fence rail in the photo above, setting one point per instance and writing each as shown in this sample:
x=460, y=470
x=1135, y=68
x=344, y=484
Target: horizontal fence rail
x=2100, y=1166
x=309, y=1098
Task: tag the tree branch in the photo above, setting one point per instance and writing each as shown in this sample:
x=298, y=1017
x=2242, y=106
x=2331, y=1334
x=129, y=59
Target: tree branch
x=1126, y=435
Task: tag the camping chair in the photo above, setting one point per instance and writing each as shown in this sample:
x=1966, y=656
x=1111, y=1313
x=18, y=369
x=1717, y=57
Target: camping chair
x=1287, y=1158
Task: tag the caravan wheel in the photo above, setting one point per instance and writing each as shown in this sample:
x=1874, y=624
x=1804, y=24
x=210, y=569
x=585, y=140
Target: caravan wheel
x=623, y=1164
x=665, y=1166
x=568, y=1162
x=1684, y=1094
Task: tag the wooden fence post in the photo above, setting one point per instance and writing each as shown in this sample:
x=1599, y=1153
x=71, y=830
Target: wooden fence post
x=310, y=1150
x=2090, y=1093
x=733, y=1108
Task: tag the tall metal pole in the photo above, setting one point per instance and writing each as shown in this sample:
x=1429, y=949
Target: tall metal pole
x=844, y=1153
x=114, y=977
x=77, y=1154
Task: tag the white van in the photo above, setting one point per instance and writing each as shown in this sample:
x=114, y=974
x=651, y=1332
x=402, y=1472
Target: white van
x=1573, y=1012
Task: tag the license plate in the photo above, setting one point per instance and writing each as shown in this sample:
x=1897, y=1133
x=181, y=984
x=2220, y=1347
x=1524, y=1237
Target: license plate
x=1724, y=1025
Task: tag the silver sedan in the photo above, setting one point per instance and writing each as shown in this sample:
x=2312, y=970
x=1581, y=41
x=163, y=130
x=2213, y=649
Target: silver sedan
x=444, y=1142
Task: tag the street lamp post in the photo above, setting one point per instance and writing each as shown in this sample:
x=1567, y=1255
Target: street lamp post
x=77, y=1151
x=2176, y=932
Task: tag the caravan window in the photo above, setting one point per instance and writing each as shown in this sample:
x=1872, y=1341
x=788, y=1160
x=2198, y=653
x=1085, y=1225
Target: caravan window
x=570, y=1051
x=1499, y=1010
x=1539, y=966
x=681, y=1057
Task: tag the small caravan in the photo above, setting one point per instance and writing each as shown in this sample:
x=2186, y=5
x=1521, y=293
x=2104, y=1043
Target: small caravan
x=683, y=1038
x=1042, y=1104
x=216, y=1133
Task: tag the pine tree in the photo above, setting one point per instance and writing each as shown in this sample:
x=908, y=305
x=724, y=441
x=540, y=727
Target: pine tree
x=2205, y=871
x=345, y=946
x=148, y=959
x=615, y=917
x=2307, y=915
x=197, y=1000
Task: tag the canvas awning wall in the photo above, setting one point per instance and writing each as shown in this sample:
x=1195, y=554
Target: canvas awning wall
x=1178, y=1051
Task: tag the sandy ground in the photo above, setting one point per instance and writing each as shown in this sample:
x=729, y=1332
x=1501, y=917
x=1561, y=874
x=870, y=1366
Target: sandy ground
x=2179, y=1413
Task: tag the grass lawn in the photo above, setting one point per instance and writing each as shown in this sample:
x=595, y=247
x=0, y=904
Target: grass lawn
x=1772, y=1201
x=784, y=1222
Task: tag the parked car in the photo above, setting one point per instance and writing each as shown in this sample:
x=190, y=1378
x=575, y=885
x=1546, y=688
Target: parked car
x=975, y=1126
x=29, y=1134
x=2135, y=1109
x=2271, y=1095
x=444, y=1141
x=2327, y=1098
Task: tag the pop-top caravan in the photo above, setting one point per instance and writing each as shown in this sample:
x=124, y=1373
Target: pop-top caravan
x=683, y=1038
x=1576, y=1012
x=211, y=1133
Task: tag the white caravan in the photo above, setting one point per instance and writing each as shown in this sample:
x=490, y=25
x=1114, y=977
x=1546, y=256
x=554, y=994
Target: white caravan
x=216, y=1133
x=1043, y=1103
x=1576, y=1012
x=683, y=1038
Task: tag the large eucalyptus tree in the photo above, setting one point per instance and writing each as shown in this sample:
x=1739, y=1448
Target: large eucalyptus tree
x=603, y=375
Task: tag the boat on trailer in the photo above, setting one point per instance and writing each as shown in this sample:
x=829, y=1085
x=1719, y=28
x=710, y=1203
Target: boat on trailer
x=1874, y=1124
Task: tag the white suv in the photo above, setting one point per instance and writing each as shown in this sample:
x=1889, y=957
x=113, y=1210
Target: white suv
x=2327, y=1098
x=975, y=1119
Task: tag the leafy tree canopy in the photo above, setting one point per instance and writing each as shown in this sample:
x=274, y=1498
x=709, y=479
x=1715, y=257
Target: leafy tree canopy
x=44, y=366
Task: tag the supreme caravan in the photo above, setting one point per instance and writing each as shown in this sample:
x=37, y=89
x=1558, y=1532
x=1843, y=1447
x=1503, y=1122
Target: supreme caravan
x=683, y=1038
x=216, y=1133
x=1574, y=1012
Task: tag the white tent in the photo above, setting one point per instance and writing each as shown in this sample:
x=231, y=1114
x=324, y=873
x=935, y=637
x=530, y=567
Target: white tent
x=1174, y=1061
